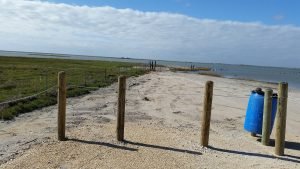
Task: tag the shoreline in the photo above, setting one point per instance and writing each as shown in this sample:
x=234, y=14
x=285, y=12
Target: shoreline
x=215, y=74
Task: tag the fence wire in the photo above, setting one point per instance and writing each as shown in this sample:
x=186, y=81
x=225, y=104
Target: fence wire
x=27, y=87
x=27, y=97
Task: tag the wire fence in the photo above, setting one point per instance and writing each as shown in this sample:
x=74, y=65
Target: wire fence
x=17, y=89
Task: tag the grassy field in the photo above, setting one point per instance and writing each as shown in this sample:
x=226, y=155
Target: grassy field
x=21, y=77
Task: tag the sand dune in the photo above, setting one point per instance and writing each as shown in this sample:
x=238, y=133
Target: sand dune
x=162, y=129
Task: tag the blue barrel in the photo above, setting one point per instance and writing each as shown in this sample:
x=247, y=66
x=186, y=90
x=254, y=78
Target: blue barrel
x=254, y=115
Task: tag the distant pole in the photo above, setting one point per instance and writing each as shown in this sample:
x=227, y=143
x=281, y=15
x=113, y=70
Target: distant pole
x=1, y=112
x=281, y=118
x=267, y=117
x=61, y=118
x=46, y=83
x=152, y=65
x=155, y=66
x=121, y=108
x=85, y=78
x=206, y=113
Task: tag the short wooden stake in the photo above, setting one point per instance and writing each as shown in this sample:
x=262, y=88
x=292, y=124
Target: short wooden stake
x=206, y=113
x=281, y=118
x=61, y=99
x=267, y=117
x=121, y=108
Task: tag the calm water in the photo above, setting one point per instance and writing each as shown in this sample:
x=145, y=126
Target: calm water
x=270, y=74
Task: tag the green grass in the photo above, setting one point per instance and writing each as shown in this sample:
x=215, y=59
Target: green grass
x=21, y=77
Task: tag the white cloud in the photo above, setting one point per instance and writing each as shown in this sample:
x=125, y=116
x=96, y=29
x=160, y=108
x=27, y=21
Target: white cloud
x=48, y=27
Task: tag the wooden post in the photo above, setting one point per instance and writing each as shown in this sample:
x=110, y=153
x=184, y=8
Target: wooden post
x=84, y=78
x=61, y=117
x=105, y=74
x=1, y=112
x=281, y=118
x=206, y=113
x=152, y=65
x=46, y=83
x=121, y=108
x=267, y=117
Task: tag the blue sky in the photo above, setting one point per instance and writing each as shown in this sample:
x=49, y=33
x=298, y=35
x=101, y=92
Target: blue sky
x=256, y=32
x=274, y=12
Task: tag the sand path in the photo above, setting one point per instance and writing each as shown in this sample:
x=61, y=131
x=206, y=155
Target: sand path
x=161, y=130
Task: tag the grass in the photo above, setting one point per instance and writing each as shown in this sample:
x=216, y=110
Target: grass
x=21, y=77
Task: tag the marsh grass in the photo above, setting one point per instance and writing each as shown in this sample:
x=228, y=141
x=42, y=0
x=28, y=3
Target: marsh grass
x=21, y=77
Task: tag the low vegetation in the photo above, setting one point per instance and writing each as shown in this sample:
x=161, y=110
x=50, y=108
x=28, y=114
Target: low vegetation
x=21, y=77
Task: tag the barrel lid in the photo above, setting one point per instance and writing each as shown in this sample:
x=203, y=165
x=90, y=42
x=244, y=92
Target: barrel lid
x=258, y=91
x=275, y=95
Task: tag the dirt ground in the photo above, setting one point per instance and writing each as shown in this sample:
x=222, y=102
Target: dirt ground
x=162, y=129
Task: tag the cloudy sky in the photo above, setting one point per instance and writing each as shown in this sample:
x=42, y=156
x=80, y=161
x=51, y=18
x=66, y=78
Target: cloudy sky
x=172, y=30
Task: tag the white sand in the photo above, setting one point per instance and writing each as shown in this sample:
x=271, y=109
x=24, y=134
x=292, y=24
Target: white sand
x=163, y=132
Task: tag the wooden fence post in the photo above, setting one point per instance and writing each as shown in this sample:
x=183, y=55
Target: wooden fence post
x=85, y=79
x=61, y=118
x=121, y=108
x=281, y=118
x=1, y=112
x=267, y=117
x=206, y=113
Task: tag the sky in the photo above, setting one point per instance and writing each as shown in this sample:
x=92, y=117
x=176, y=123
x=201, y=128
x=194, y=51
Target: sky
x=255, y=32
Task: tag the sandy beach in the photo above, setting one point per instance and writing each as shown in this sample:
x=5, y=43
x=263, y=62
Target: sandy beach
x=162, y=128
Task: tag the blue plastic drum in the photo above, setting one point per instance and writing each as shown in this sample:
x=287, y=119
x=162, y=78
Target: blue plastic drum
x=254, y=115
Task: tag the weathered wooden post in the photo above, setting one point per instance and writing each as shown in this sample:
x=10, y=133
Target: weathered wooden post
x=267, y=117
x=85, y=79
x=105, y=74
x=1, y=112
x=61, y=117
x=46, y=83
x=121, y=108
x=206, y=113
x=281, y=118
x=152, y=65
